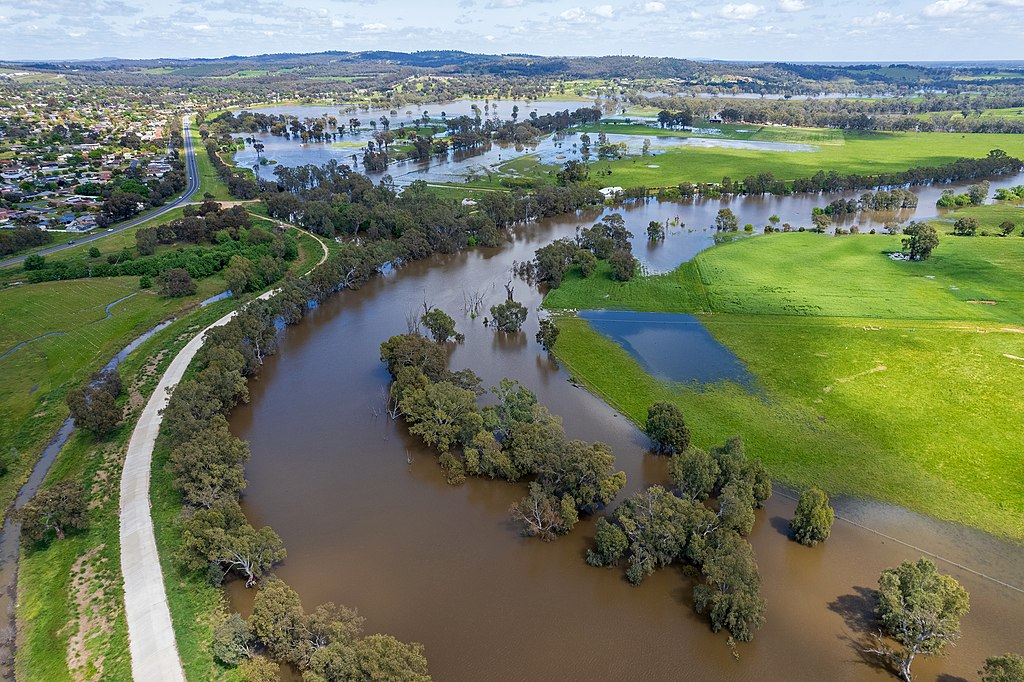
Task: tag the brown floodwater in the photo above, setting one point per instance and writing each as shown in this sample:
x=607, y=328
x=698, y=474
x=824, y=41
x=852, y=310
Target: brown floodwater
x=369, y=522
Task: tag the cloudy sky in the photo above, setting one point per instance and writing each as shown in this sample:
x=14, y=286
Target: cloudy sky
x=819, y=30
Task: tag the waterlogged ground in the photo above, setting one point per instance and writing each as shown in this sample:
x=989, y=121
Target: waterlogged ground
x=670, y=347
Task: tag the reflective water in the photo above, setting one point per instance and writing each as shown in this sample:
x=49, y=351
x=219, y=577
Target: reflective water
x=670, y=347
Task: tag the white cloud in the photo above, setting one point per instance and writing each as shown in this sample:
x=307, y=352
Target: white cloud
x=374, y=28
x=747, y=10
x=943, y=8
x=792, y=5
x=201, y=27
x=880, y=19
x=654, y=7
x=606, y=11
x=575, y=15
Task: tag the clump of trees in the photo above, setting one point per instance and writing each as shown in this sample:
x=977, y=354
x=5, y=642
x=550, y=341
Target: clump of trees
x=513, y=439
x=325, y=645
x=95, y=407
x=251, y=257
x=966, y=226
x=607, y=240
x=22, y=237
x=1005, y=668
x=812, y=522
x=920, y=241
x=974, y=196
x=920, y=610
x=657, y=527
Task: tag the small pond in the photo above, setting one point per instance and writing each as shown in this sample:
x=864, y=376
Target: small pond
x=672, y=347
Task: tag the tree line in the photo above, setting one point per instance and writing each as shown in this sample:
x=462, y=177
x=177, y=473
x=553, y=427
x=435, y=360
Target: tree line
x=225, y=241
x=206, y=463
x=938, y=113
x=333, y=200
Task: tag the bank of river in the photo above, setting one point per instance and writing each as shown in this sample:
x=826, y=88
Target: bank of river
x=369, y=522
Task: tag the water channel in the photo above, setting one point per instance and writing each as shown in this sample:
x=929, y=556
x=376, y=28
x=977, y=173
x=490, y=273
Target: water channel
x=369, y=522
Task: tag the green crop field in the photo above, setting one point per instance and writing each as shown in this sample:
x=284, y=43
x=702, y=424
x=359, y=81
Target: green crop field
x=874, y=378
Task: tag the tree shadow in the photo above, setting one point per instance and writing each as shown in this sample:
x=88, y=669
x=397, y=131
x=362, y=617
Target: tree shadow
x=858, y=613
x=781, y=526
x=946, y=677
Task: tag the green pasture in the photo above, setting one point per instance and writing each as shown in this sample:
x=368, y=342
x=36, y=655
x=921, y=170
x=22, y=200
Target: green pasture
x=874, y=378
x=866, y=153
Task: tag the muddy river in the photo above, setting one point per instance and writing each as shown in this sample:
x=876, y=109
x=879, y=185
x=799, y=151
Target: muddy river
x=369, y=522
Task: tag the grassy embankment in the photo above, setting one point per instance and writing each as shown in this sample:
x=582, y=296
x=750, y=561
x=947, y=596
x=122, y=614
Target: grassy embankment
x=990, y=217
x=209, y=180
x=876, y=378
x=71, y=607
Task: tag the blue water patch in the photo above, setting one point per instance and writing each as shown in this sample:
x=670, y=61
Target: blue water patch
x=25, y=343
x=671, y=347
x=219, y=297
x=111, y=305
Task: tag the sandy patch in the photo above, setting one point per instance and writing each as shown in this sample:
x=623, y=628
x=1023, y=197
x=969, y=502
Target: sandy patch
x=982, y=302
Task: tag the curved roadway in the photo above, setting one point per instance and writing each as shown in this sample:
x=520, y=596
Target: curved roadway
x=192, y=173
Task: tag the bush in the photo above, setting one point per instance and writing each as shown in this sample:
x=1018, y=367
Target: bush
x=35, y=262
x=623, y=265
x=176, y=282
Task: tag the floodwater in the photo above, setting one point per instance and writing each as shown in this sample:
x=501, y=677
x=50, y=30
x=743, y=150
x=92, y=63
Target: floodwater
x=458, y=165
x=369, y=522
x=670, y=347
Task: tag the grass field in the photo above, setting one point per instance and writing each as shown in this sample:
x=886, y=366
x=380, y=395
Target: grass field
x=35, y=378
x=990, y=217
x=857, y=152
x=874, y=379
x=209, y=181
x=70, y=593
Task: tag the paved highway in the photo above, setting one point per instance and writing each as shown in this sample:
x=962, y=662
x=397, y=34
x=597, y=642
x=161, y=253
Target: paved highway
x=191, y=170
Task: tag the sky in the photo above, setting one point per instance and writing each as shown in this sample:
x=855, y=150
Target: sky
x=769, y=30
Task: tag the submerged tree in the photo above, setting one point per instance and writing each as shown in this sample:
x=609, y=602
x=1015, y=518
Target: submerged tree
x=1005, y=668
x=813, y=520
x=440, y=325
x=920, y=609
x=666, y=428
x=509, y=316
x=548, y=334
